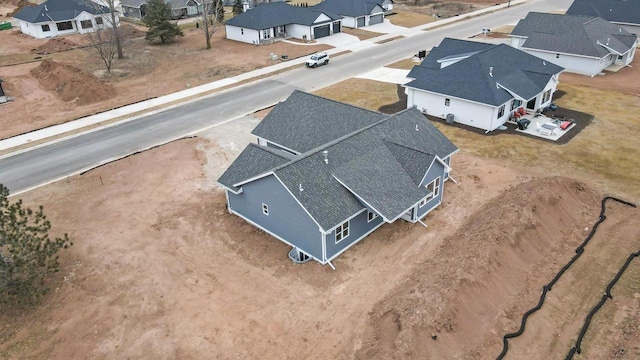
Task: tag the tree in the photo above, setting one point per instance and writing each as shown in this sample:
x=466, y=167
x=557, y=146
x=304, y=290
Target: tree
x=209, y=23
x=237, y=8
x=105, y=44
x=27, y=255
x=158, y=19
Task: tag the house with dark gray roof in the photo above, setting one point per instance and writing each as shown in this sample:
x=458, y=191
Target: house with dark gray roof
x=581, y=44
x=324, y=175
x=479, y=84
x=625, y=13
x=63, y=17
x=357, y=13
x=179, y=8
x=266, y=22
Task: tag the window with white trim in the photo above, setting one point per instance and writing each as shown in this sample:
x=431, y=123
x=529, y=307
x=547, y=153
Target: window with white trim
x=434, y=191
x=546, y=96
x=342, y=231
x=46, y=28
x=65, y=25
x=266, y=34
x=265, y=209
x=447, y=102
x=371, y=216
x=86, y=24
x=99, y=21
x=515, y=103
x=501, y=112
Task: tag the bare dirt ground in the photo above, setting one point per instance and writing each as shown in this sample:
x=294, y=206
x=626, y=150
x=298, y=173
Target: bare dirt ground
x=160, y=270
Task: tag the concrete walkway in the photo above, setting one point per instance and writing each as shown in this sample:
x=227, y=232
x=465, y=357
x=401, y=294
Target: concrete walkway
x=133, y=111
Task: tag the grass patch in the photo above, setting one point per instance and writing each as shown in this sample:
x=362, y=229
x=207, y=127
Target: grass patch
x=361, y=34
x=602, y=154
x=406, y=64
x=390, y=39
x=368, y=94
x=410, y=19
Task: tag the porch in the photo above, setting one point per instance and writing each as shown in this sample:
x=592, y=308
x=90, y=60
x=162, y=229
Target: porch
x=550, y=128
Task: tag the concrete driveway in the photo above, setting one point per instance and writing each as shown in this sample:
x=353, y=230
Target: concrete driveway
x=385, y=27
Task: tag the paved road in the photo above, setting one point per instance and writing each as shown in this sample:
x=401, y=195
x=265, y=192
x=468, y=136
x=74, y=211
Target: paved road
x=73, y=155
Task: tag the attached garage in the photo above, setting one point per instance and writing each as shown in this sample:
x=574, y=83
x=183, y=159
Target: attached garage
x=321, y=31
x=360, y=21
x=336, y=27
x=375, y=19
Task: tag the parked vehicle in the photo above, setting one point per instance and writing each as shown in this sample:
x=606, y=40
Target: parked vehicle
x=321, y=58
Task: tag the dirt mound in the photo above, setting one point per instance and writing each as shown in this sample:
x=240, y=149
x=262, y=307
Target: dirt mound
x=489, y=271
x=54, y=45
x=19, y=5
x=71, y=83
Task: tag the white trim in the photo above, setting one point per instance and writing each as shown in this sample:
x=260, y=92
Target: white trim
x=355, y=242
x=361, y=199
x=447, y=168
x=611, y=50
x=348, y=219
x=342, y=231
x=265, y=209
x=434, y=206
x=231, y=190
x=562, y=53
x=375, y=216
x=274, y=235
x=293, y=152
x=257, y=177
x=451, y=96
x=323, y=238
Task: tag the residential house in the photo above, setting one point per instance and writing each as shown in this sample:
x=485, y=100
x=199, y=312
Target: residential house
x=63, y=17
x=180, y=9
x=323, y=174
x=266, y=22
x=581, y=44
x=480, y=84
x=625, y=13
x=356, y=13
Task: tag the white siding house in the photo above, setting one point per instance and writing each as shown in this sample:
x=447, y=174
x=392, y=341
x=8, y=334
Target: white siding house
x=581, y=44
x=480, y=85
x=62, y=17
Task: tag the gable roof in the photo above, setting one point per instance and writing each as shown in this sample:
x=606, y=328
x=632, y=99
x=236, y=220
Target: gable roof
x=320, y=121
x=378, y=166
x=352, y=8
x=626, y=11
x=573, y=34
x=58, y=10
x=269, y=15
x=491, y=76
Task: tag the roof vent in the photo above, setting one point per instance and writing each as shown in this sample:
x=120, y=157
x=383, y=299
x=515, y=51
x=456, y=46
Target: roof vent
x=608, y=41
x=417, y=129
x=300, y=187
x=544, y=62
x=491, y=71
x=326, y=157
x=45, y=8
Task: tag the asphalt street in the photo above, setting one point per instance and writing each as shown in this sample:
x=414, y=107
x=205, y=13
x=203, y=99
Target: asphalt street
x=69, y=156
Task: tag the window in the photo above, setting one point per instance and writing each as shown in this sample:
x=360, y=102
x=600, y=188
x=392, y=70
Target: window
x=266, y=34
x=557, y=56
x=620, y=57
x=342, y=231
x=447, y=102
x=546, y=96
x=99, y=21
x=241, y=31
x=434, y=191
x=86, y=24
x=515, y=103
x=46, y=28
x=265, y=209
x=65, y=25
x=371, y=216
x=501, y=112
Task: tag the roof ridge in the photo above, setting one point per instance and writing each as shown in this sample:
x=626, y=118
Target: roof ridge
x=278, y=153
x=407, y=147
x=338, y=140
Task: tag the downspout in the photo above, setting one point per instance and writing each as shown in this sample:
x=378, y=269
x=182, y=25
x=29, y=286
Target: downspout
x=330, y=264
x=423, y=224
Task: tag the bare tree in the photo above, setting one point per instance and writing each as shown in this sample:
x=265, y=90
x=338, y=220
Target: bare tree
x=104, y=42
x=211, y=19
x=110, y=21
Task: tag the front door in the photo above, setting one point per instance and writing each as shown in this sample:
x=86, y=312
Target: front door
x=531, y=104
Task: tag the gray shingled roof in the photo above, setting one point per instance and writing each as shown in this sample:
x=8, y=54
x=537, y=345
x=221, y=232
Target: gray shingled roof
x=449, y=48
x=57, y=10
x=269, y=15
x=477, y=77
x=383, y=163
x=352, y=8
x=573, y=34
x=627, y=11
x=320, y=121
x=254, y=160
x=173, y=4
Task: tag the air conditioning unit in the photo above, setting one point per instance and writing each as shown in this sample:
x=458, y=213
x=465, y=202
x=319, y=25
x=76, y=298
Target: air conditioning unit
x=449, y=119
x=423, y=110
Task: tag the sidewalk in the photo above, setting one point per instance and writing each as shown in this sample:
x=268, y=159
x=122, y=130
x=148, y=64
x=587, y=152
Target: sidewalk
x=138, y=109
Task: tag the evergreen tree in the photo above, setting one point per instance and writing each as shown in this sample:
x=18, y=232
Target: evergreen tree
x=237, y=8
x=158, y=19
x=27, y=255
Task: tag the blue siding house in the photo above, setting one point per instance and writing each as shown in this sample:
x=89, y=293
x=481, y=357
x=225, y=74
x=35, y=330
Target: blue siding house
x=324, y=175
